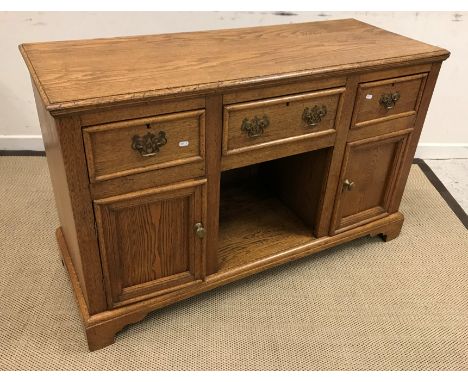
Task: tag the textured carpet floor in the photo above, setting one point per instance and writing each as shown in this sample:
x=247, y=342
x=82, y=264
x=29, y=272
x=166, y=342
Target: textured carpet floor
x=363, y=305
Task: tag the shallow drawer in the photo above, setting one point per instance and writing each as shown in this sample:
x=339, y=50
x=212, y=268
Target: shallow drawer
x=130, y=147
x=381, y=100
x=258, y=124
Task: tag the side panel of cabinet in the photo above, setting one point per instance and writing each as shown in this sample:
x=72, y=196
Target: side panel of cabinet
x=368, y=177
x=147, y=240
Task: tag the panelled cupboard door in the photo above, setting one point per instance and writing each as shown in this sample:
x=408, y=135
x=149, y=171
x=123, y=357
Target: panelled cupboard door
x=368, y=178
x=148, y=242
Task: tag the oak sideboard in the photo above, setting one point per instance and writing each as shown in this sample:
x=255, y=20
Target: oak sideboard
x=182, y=162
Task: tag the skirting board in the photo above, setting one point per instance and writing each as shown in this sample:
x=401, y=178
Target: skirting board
x=21, y=142
x=442, y=151
x=424, y=151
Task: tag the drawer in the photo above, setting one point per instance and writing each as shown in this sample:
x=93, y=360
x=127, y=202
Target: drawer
x=281, y=120
x=130, y=147
x=378, y=101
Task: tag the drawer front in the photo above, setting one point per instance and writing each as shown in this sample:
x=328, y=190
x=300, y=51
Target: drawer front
x=252, y=125
x=378, y=101
x=130, y=147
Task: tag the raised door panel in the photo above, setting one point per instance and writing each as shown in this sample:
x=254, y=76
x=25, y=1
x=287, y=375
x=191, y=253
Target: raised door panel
x=370, y=169
x=147, y=240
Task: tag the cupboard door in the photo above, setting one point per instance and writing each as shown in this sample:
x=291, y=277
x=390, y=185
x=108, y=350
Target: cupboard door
x=368, y=178
x=148, y=242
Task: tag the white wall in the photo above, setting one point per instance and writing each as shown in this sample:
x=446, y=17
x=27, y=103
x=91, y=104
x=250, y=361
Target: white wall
x=446, y=128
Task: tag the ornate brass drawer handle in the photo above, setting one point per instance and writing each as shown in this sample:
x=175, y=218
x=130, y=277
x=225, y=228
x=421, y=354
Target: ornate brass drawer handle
x=389, y=100
x=254, y=127
x=149, y=144
x=313, y=116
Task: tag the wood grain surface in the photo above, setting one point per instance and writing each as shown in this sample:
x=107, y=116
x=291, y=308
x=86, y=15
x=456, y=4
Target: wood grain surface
x=368, y=109
x=185, y=143
x=67, y=167
x=253, y=224
x=127, y=234
x=71, y=74
x=372, y=165
x=299, y=182
x=147, y=240
x=284, y=115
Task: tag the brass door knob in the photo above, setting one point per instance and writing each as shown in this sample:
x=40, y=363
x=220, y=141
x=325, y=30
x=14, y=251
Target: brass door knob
x=200, y=231
x=348, y=185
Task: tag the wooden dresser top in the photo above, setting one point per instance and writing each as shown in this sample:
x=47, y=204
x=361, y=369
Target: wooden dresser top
x=85, y=73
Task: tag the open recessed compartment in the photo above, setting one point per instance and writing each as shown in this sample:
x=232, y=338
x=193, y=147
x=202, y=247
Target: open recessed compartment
x=270, y=208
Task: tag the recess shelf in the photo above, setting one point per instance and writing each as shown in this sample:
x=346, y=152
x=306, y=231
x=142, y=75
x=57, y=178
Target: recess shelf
x=254, y=224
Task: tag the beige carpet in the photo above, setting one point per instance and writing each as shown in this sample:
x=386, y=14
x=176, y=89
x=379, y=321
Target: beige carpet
x=364, y=305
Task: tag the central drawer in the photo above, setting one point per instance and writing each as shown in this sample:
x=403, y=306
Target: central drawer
x=279, y=121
